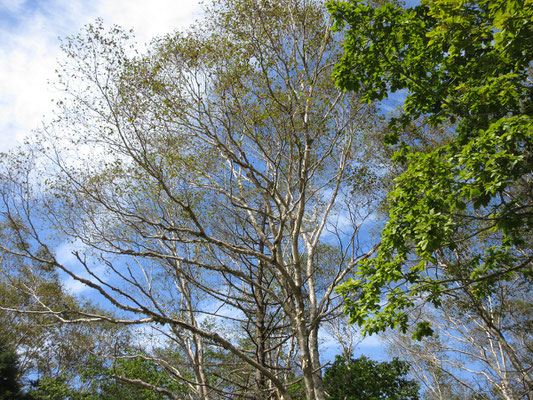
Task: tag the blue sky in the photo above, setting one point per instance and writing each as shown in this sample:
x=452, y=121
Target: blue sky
x=29, y=48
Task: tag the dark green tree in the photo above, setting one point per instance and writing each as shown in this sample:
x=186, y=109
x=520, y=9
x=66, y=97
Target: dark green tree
x=460, y=215
x=365, y=379
x=9, y=373
x=11, y=380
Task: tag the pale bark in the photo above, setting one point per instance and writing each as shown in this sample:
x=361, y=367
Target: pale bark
x=225, y=156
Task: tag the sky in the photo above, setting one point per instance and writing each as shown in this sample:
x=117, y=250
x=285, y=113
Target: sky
x=29, y=48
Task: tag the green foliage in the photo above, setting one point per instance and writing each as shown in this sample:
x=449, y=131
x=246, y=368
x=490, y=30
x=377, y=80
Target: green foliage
x=107, y=383
x=49, y=388
x=102, y=382
x=365, y=379
x=297, y=390
x=223, y=155
x=47, y=346
x=465, y=66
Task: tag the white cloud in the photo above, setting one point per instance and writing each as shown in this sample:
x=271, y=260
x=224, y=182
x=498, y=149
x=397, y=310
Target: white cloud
x=149, y=19
x=64, y=252
x=29, y=48
x=74, y=287
x=370, y=346
x=11, y=6
x=65, y=255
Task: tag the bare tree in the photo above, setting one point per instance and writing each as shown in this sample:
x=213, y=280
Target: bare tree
x=481, y=348
x=204, y=179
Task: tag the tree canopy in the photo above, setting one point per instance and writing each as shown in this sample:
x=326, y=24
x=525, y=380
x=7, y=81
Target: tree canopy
x=204, y=191
x=365, y=379
x=211, y=193
x=10, y=388
x=461, y=214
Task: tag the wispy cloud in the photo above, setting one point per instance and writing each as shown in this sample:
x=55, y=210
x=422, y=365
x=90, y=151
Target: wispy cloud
x=29, y=48
x=11, y=6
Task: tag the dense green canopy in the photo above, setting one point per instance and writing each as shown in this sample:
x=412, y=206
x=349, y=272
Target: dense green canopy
x=365, y=379
x=461, y=214
x=9, y=371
